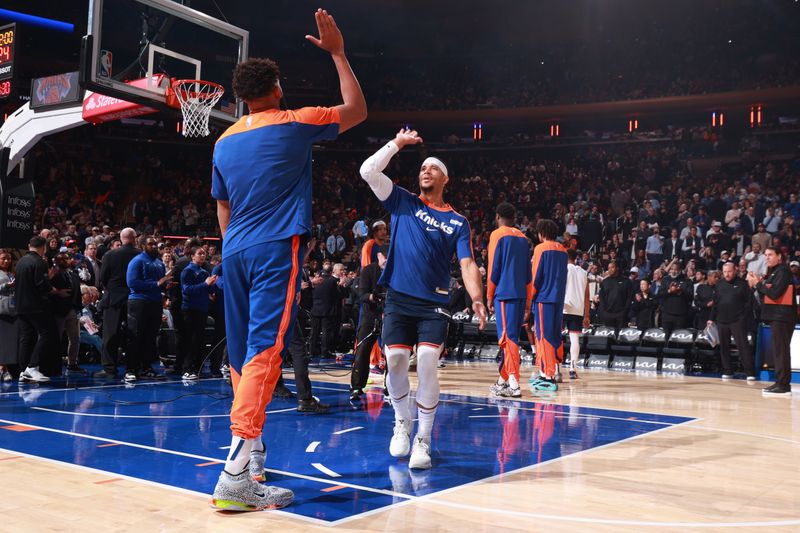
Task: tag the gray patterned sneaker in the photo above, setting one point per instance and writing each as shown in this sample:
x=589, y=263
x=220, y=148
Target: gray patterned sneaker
x=240, y=493
x=257, y=472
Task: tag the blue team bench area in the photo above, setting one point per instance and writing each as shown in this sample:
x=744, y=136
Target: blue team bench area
x=338, y=465
x=684, y=351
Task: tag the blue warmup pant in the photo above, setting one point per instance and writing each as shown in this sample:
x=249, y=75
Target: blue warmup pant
x=509, y=314
x=261, y=285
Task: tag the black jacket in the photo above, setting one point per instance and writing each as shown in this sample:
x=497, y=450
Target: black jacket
x=175, y=290
x=679, y=302
x=778, y=291
x=705, y=294
x=327, y=298
x=668, y=249
x=32, y=284
x=731, y=301
x=368, y=286
x=113, y=274
x=66, y=279
x=643, y=311
x=615, y=295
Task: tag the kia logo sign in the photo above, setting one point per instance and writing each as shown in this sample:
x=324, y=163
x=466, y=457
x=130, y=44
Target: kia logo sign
x=682, y=336
x=672, y=366
x=598, y=362
x=645, y=364
x=655, y=335
x=623, y=364
x=604, y=333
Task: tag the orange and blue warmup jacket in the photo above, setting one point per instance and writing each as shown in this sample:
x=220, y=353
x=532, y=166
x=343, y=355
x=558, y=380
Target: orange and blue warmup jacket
x=262, y=166
x=509, y=276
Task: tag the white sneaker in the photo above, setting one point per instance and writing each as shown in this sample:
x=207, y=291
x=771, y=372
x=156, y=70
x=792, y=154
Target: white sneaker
x=129, y=377
x=401, y=440
x=33, y=374
x=420, y=455
x=496, y=387
x=7, y=376
x=511, y=392
x=190, y=376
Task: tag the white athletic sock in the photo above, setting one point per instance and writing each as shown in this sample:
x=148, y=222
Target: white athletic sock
x=259, y=446
x=239, y=455
x=574, y=348
x=397, y=381
x=501, y=381
x=428, y=389
x=512, y=382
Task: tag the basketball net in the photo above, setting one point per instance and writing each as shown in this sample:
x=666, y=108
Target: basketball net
x=196, y=99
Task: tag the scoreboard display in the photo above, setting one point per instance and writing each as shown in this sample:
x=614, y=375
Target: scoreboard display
x=8, y=37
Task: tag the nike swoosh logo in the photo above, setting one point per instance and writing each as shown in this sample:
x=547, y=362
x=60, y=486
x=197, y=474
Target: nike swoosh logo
x=431, y=229
x=259, y=494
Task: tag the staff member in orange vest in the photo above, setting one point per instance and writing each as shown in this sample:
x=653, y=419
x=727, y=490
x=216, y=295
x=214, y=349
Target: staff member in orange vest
x=779, y=309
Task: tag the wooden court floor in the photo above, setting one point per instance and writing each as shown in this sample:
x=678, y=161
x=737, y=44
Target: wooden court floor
x=737, y=467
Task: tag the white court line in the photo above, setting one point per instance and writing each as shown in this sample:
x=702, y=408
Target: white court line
x=343, y=431
x=313, y=446
x=64, y=389
x=101, y=415
x=478, y=408
x=310, y=519
x=205, y=458
x=224, y=447
x=325, y=470
x=463, y=402
x=429, y=498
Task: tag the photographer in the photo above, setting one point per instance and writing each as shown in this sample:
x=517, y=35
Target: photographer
x=372, y=297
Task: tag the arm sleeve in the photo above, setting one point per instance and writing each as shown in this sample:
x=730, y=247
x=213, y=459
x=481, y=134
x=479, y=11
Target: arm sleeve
x=464, y=243
x=372, y=171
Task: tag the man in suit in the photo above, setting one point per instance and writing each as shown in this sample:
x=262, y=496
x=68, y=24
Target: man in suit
x=325, y=312
x=37, y=325
x=115, y=300
x=673, y=247
x=89, y=267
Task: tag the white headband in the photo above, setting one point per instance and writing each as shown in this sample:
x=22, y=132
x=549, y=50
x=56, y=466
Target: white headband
x=438, y=163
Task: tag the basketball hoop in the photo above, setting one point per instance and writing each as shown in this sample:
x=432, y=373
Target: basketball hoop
x=196, y=99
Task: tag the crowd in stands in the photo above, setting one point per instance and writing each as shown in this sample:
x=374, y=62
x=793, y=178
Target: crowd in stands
x=705, y=50
x=637, y=210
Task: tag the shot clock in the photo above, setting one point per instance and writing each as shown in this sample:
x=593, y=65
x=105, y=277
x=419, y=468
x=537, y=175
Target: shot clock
x=8, y=36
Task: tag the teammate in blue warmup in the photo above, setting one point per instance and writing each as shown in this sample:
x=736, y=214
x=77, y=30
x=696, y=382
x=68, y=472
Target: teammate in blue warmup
x=262, y=183
x=426, y=234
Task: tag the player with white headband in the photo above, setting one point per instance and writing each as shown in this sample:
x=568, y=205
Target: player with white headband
x=426, y=233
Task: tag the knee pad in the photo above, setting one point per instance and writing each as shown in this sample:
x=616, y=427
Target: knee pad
x=428, y=388
x=397, y=356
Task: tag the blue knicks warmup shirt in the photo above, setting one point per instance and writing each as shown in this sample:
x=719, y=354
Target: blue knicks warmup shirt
x=262, y=167
x=424, y=239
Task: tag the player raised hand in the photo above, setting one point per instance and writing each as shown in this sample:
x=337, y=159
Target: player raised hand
x=407, y=136
x=330, y=38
